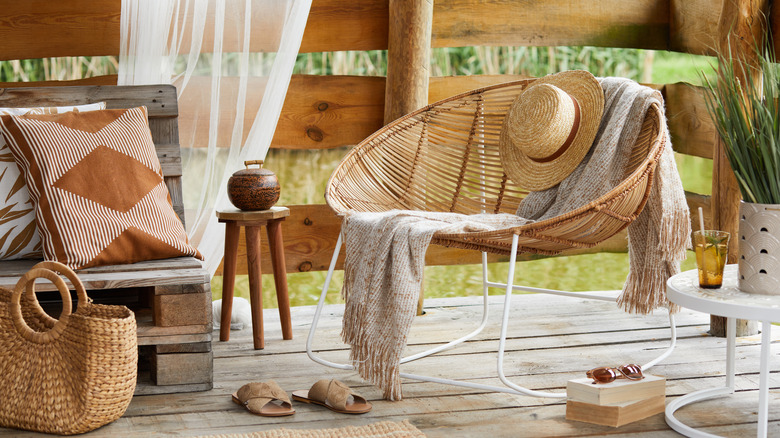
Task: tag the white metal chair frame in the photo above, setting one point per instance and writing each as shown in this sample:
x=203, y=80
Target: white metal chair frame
x=509, y=287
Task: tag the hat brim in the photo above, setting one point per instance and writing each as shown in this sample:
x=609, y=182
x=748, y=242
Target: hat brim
x=531, y=174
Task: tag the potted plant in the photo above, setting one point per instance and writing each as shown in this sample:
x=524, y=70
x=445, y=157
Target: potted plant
x=746, y=113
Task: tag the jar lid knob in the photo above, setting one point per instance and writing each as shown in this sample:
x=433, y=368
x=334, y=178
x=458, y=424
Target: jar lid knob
x=250, y=162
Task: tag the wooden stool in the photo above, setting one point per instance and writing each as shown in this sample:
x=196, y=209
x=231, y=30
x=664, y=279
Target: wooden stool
x=252, y=221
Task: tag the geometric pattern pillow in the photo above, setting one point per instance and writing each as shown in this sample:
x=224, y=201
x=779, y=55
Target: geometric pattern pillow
x=19, y=238
x=97, y=186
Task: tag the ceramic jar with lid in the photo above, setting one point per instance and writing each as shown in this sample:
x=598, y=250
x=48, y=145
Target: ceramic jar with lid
x=253, y=189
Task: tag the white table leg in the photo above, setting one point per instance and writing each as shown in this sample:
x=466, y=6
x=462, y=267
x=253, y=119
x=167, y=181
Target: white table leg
x=731, y=347
x=703, y=394
x=763, y=382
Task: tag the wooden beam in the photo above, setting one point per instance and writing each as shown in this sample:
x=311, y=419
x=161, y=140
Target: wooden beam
x=606, y=23
x=319, y=112
x=442, y=87
x=309, y=238
x=774, y=28
x=330, y=111
x=94, y=80
x=692, y=26
x=160, y=100
x=741, y=26
x=690, y=125
x=44, y=28
x=346, y=25
x=322, y=112
x=366, y=21
x=408, y=57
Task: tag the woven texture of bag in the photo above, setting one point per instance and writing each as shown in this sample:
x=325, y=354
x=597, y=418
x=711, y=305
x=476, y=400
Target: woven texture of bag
x=68, y=375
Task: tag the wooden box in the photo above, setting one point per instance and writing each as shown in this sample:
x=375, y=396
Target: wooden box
x=618, y=391
x=615, y=415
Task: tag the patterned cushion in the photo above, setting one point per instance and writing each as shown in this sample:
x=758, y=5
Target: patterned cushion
x=97, y=186
x=18, y=237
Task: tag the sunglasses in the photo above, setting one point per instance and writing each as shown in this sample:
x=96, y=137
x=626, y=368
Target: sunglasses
x=609, y=374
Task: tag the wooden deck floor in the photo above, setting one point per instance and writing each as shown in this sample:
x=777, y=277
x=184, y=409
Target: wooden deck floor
x=552, y=339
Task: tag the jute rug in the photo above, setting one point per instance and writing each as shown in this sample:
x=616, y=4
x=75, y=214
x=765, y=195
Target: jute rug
x=384, y=429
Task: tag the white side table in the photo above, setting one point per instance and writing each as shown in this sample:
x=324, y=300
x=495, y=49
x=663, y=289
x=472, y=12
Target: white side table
x=683, y=289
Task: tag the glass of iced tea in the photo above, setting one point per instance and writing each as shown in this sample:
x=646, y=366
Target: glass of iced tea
x=712, y=249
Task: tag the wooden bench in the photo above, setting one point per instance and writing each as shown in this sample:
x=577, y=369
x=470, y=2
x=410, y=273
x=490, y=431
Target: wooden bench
x=171, y=297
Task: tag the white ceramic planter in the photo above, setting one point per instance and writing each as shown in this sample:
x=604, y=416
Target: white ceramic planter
x=759, y=248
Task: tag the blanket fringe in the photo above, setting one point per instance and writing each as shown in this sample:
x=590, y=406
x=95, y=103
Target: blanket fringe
x=675, y=234
x=383, y=368
x=645, y=291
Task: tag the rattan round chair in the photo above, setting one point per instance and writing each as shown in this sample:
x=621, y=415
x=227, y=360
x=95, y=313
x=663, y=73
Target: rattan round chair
x=445, y=158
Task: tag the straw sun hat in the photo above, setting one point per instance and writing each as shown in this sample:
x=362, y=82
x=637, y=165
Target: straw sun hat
x=550, y=127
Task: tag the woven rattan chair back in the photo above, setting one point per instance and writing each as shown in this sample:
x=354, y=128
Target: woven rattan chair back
x=445, y=158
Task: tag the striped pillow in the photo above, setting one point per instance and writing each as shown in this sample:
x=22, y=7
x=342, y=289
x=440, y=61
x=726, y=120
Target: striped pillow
x=19, y=238
x=97, y=186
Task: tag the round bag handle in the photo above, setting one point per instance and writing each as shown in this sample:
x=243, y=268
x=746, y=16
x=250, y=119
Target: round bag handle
x=47, y=270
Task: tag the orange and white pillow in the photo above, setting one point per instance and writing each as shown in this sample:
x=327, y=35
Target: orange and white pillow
x=97, y=186
x=19, y=238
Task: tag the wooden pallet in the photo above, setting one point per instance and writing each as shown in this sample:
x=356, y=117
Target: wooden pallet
x=171, y=297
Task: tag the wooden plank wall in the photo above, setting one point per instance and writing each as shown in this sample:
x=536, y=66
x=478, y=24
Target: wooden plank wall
x=335, y=111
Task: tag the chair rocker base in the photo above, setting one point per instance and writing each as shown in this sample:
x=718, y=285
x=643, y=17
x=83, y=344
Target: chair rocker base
x=509, y=287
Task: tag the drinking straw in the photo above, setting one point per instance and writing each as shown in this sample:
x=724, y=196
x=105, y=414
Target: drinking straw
x=701, y=220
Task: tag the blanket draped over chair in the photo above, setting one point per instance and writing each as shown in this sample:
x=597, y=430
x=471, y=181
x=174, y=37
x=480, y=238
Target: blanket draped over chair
x=385, y=252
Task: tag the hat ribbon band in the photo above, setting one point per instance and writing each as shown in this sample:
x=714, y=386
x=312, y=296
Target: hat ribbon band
x=569, y=140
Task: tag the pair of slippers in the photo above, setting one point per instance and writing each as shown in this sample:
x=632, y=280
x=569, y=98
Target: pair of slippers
x=269, y=400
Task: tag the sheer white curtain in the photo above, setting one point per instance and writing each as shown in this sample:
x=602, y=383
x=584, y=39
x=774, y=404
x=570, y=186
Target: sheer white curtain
x=231, y=62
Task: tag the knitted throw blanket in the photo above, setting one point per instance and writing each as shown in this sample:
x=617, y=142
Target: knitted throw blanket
x=658, y=238
x=386, y=251
x=382, y=274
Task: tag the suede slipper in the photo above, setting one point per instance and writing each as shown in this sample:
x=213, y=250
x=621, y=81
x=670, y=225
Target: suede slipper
x=335, y=396
x=264, y=398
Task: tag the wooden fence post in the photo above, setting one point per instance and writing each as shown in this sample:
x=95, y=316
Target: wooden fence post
x=408, y=57
x=741, y=25
x=408, y=63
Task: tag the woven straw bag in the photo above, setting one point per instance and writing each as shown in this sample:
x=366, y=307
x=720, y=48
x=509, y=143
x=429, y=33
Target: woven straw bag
x=68, y=375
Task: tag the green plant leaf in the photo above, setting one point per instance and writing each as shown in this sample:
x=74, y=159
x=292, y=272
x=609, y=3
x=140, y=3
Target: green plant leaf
x=746, y=114
x=715, y=240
